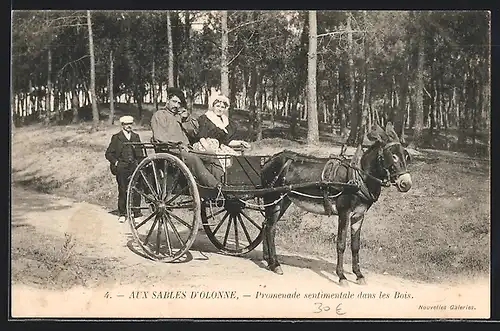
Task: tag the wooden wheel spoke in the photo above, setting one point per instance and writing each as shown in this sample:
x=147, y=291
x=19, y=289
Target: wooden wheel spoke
x=164, y=181
x=216, y=213
x=174, y=229
x=220, y=223
x=176, y=196
x=148, y=184
x=140, y=208
x=145, y=220
x=180, y=220
x=244, y=228
x=151, y=230
x=251, y=220
x=158, y=237
x=181, y=207
x=182, y=204
x=165, y=229
x=236, y=233
x=157, y=183
x=144, y=195
x=175, y=182
x=227, y=230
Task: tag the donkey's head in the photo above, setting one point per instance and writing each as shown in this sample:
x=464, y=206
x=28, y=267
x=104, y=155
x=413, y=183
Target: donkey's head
x=392, y=158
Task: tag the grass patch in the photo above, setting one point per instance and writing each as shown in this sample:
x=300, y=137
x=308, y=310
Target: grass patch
x=55, y=263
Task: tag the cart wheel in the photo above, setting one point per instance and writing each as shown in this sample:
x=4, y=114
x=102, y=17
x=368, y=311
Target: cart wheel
x=233, y=226
x=170, y=206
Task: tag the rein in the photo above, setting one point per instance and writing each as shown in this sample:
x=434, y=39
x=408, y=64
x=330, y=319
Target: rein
x=384, y=182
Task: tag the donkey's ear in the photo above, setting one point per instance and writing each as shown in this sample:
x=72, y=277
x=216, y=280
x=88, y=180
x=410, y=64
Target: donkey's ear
x=389, y=130
x=356, y=158
x=376, y=134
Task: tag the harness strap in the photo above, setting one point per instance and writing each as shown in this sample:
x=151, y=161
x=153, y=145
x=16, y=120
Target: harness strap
x=330, y=169
x=329, y=172
x=327, y=203
x=364, y=193
x=283, y=169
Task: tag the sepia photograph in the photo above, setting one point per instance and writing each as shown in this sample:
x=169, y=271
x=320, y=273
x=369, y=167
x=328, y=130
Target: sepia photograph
x=250, y=164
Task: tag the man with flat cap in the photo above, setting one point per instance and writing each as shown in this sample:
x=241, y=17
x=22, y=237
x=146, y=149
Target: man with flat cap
x=123, y=160
x=173, y=123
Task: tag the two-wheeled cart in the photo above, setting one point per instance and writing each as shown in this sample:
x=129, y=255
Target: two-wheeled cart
x=174, y=206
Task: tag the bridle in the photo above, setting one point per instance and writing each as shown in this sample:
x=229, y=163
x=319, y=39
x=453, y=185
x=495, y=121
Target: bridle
x=390, y=177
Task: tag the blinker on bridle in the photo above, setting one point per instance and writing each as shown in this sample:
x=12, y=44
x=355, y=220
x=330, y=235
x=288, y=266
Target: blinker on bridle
x=380, y=157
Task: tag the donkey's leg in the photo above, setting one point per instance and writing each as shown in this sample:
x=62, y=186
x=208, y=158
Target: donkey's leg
x=341, y=243
x=273, y=214
x=357, y=218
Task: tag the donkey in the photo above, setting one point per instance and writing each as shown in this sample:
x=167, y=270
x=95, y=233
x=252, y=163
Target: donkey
x=382, y=164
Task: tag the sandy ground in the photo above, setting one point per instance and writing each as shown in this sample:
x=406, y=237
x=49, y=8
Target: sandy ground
x=205, y=284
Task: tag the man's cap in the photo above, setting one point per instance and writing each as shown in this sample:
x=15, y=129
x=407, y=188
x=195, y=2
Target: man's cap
x=126, y=120
x=174, y=91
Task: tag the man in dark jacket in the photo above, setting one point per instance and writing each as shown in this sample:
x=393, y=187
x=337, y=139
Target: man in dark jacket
x=123, y=160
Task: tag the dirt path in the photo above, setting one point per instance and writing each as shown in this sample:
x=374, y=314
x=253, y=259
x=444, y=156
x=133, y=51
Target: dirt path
x=111, y=271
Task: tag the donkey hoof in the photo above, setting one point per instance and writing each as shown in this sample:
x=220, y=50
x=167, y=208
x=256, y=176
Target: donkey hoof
x=361, y=281
x=344, y=283
x=277, y=270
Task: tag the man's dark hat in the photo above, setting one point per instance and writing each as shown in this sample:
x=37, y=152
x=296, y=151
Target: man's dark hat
x=171, y=91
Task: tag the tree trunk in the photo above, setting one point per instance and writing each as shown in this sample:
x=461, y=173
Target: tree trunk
x=432, y=101
x=49, y=87
x=244, y=89
x=74, y=106
x=476, y=112
x=111, y=87
x=294, y=117
x=286, y=106
x=160, y=90
x=461, y=113
x=401, y=114
x=58, y=99
x=233, y=100
x=352, y=98
x=259, y=110
x=95, y=111
x=447, y=113
x=13, y=112
x=170, y=77
x=153, y=79
x=419, y=107
x=252, y=92
x=371, y=115
x=362, y=129
x=312, y=59
x=439, y=103
x=275, y=105
x=187, y=25
x=364, y=114
x=139, y=97
x=393, y=103
x=224, y=72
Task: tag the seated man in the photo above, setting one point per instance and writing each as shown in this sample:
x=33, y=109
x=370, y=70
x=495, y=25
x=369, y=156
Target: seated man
x=174, y=124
